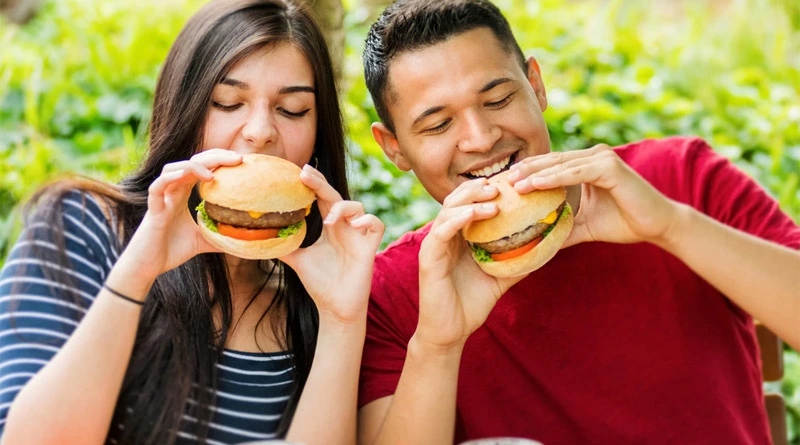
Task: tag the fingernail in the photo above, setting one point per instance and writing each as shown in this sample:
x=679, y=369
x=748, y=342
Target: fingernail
x=538, y=181
x=488, y=188
x=488, y=206
x=514, y=174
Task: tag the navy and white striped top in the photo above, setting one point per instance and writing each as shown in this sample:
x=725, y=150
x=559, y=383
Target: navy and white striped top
x=37, y=316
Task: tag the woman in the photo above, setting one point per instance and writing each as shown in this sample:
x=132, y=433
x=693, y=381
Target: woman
x=121, y=324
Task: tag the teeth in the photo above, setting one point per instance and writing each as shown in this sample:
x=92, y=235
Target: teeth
x=492, y=169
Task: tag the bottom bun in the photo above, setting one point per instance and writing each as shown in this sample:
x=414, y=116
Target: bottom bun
x=535, y=258
x=255, y=250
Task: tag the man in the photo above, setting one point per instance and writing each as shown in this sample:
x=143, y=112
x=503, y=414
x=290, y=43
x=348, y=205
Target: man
x=638, y=331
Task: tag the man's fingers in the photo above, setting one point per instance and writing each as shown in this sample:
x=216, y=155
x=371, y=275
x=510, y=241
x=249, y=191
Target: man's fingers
x=535, y=164
x=599, y=170
x=470, y=192
x=481, y=210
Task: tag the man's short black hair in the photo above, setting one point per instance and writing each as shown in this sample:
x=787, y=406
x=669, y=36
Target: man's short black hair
x=408, y=25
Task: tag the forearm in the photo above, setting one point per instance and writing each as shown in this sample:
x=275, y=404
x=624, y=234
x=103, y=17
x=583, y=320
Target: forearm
x=72, y=399
x=326, y=413
x=761, y=277
x=423, y=409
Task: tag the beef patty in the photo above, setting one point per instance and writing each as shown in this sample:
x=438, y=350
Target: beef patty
x=519, y=239
x=238, y=218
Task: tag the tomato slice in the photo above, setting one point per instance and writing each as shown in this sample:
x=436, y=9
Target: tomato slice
x=244, y=234
x=516, y=252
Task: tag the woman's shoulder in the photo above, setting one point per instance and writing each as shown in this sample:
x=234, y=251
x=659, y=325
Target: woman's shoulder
x=80, y=217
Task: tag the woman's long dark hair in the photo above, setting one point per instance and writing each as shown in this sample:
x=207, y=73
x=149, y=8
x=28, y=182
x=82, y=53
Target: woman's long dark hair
x=178, y=344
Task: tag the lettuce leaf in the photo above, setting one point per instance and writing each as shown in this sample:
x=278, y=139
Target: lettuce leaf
x=290, y=230
x=481, y=255
x=204, y=218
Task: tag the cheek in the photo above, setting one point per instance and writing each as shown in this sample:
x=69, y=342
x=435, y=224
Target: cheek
x=218, y=133
x=299, y=139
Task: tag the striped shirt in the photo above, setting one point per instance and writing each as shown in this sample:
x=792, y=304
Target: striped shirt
x=38, y=314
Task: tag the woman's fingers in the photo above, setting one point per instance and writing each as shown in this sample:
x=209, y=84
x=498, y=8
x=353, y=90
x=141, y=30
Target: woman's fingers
x=346, y=210
x=327, y=196
x=217, y=157
x=199, y=170
x=158, y=191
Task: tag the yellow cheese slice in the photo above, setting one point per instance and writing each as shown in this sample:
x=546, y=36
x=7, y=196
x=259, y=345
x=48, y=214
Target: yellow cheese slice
x=255, y=215
x=550, y=219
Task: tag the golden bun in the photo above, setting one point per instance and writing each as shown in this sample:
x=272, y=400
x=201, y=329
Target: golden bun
x=516, y=212
x=261, y=183
x=253, y=250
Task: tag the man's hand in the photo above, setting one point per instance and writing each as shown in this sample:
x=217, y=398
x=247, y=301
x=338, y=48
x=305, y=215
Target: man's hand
x=456, y=296
x=617, y=205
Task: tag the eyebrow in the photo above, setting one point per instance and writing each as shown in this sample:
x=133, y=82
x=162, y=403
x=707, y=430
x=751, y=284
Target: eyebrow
x=235, y=83
x=285, y=90
x=426, y=113
x=298, y=89
x=494, y=83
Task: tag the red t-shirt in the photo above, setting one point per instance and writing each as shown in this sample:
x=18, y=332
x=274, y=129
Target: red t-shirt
x=606, y=343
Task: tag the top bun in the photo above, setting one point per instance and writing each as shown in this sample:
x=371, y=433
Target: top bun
x=260, y=183
x=516, y=212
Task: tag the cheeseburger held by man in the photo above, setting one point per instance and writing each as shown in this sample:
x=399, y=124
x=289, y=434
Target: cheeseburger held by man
x=256, y=209
x=525, y=234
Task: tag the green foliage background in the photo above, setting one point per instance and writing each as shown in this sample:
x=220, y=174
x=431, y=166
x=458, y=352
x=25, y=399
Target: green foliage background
x=76, y=88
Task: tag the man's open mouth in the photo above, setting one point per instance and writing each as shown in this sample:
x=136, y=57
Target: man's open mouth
x=494, y=169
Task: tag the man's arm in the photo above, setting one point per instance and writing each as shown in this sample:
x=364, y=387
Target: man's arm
x=455, y=298
x=423, y=408
x=619, y=206
x=763, y=278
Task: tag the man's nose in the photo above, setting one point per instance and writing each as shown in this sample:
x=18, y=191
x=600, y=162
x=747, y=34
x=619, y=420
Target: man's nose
x=478, y=133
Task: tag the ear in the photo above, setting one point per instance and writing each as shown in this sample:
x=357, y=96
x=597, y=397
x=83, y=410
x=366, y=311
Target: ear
x=388, y=142
x=535, y=79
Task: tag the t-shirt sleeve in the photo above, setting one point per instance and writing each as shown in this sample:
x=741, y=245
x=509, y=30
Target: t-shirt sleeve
x=391, y=321
x=44, y=296
x=721, y=190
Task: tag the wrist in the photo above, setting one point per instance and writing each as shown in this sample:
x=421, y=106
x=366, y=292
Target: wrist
x=331, y=322
x=127, y=278
x=430, y=349
x=682, y=218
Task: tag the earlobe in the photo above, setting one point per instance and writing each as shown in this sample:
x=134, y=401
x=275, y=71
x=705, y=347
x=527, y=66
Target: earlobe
x=391, y=147
x=535, y=79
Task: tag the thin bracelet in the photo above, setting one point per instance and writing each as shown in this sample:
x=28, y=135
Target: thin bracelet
x=124, y=297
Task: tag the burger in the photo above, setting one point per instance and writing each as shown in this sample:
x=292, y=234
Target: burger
x=255, y=209
x=525, y=234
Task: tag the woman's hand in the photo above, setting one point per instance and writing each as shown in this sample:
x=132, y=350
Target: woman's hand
x=168, y=235
x=337, y=269
x=617, y=205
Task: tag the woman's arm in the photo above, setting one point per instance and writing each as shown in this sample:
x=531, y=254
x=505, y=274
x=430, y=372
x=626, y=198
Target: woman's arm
x=71, y=399
x=337, y=273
